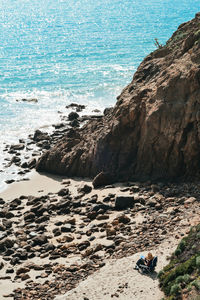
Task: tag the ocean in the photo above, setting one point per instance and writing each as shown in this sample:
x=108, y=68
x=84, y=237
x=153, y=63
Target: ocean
x=82, y=51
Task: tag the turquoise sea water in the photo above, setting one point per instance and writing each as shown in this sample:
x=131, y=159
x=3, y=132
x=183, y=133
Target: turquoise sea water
x=80, y=51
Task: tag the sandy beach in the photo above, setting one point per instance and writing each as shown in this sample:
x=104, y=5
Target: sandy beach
x=92, y=244
x=37, y=184
x=119, y=280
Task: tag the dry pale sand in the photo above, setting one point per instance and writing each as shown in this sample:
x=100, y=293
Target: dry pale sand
x=118, y=279
x=38, y=184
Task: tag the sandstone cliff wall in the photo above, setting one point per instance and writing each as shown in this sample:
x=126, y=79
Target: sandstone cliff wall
x=154, y=129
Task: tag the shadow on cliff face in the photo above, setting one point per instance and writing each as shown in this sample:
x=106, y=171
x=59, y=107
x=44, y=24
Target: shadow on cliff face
x=153, y=130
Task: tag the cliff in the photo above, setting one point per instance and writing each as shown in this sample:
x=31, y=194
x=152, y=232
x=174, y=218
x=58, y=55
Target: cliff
x=154, y=129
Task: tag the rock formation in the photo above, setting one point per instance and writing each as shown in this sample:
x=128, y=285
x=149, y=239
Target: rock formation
x=154, y=129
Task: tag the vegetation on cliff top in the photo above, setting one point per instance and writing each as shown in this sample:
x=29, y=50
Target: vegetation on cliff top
x=182, y=275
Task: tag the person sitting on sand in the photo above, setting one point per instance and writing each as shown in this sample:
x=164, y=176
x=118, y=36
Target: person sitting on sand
x=144, y=261
x=148, y=259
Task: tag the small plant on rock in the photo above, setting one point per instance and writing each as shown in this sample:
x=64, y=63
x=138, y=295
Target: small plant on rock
x=157, y=44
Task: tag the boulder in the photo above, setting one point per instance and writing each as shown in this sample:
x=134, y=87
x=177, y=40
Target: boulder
x=40, y=136
x=103, y=179
x=83, y=245
x=78, y=107
x=151, y=202
x=2, y=201
x=74, y=123
x=85, y=188
x=49, y=247
x=123, y=202
x=73, y=116
x=31, y=163
x=107, y=110
x=110, y=231
x=100, y=206
x=66, y=228
x=17, y=147
x=6, y=243
x=29, y=216
x=63, y=192
x=33, y=100
x=39, y=240
x=122, y=219
x=1, y=265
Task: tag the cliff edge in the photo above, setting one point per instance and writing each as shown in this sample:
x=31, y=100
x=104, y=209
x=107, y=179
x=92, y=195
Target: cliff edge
x=154, y=129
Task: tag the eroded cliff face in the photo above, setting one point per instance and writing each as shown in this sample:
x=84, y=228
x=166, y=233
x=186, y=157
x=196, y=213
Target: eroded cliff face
x=153, y=130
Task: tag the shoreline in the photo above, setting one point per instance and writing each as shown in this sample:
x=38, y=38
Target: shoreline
x=19, y=158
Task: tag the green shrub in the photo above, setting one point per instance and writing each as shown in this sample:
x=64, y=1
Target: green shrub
x=184, y=265
x=189, y=287
x=169, y=266
x=186, y=278
x=161, y=273
x=194, y=246
x=185, y=268
x=198, y=227
x=183, y=278
x=198, y=262
x=177, y=252
x=196, y=284
x=182, y=245
x=179, y=279
x=175, y=289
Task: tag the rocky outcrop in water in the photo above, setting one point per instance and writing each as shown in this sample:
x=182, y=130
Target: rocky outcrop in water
x=153, y=130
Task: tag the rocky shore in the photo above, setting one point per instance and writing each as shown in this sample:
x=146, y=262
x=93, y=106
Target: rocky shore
x=153, y=130
x=52, y=242
x=20, y=158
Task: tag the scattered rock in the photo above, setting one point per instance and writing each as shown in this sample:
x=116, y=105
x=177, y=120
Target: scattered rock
x=40, y=240
x=121, y=219
x=9, y=181
x=103, y=179
x=190, y=200
x=78, y=107
x=6, y=243
x=32, y=100
x=22, y=270
x=17, y=147
x=73, y=116
x=40, y=136
x=85, y=188
x=63, y=192
x=123, y=202
x=29, y=216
